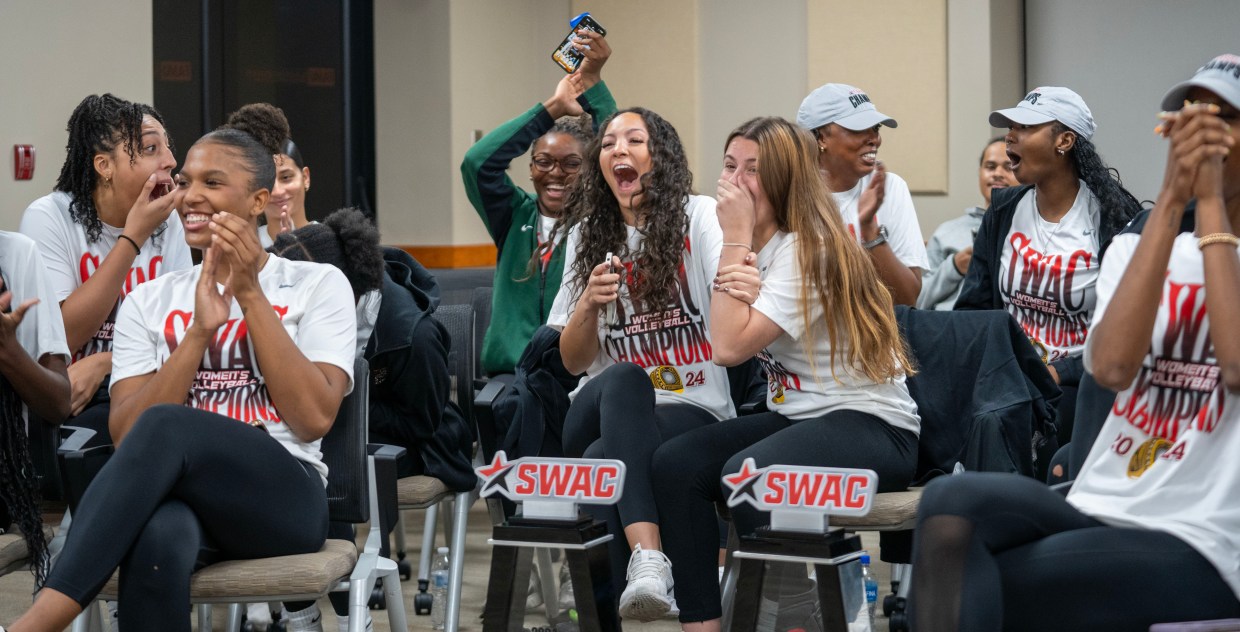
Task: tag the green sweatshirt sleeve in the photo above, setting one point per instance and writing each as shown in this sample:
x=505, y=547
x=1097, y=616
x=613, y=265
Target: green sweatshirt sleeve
x=485, y=170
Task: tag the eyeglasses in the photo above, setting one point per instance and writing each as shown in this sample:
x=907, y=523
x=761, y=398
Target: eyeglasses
x=545, y=164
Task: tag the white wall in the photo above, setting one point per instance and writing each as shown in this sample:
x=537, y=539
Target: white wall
x=54, y=54
x=1150, y=45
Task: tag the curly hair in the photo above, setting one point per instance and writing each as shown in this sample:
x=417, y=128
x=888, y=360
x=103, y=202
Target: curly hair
x=1118, y=206
x=346, y=239
x=836, y=272
x=19, y=491
x=592, y=208
x=98, y=125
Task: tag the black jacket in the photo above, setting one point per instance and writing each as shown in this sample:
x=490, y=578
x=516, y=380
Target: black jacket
x=980, y=289
x=533, y=407
x=981, y=390
x=409, y=379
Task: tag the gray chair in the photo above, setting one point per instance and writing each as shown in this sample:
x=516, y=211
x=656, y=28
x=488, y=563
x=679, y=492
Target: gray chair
x=352, y=497
x=428, y=492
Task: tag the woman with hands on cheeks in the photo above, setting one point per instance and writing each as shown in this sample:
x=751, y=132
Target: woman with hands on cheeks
x=812, y=309
x=107, y=227
x=1149, y=532
x=633, y=310
x=217, y=452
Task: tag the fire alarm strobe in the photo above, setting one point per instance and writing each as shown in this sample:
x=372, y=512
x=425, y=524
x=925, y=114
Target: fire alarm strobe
x=802, y=498
x=551, y=488
x=23, y=162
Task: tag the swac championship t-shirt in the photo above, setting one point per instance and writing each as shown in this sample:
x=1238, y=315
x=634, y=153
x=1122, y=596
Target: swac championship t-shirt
x=896, y=213
x=671, y=344
x=42, y=332
x=798, y=389
x=314, y=303
x=71, y=259
x=1167, y=456
x=1047, y=274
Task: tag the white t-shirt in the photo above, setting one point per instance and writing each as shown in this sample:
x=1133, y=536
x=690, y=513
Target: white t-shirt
x=1047, y=274
x=42, y=332
x=896, y=213
x=1166, y=458
x=680, y=360
x=315, y=304
x=71, y=259
x=798, y=389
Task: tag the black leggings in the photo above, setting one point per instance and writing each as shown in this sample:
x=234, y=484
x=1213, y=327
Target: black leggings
x=1005, y=552
x=614, y=416
x=688, y=470
x=186, y=487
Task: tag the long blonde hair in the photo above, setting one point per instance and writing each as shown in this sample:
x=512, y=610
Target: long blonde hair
x=835, y=269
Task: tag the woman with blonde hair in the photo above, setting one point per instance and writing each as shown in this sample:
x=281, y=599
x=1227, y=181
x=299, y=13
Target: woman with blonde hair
x=812, y=308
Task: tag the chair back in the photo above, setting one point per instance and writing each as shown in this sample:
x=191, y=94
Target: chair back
x=481, y=301
x=462, y=355
x=344, y=453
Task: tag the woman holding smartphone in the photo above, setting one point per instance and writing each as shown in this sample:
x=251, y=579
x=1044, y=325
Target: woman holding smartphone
x=107, y=228
x=188, y=484
x=815, y=312
x=634, y=309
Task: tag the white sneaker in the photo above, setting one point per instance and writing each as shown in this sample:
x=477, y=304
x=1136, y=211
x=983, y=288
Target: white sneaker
x=567, y=600
x=648, y=595
x=308, y=620
x=534, y=595
x=258, y=615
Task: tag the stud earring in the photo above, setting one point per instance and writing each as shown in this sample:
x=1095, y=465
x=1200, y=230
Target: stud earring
x=1059, y=151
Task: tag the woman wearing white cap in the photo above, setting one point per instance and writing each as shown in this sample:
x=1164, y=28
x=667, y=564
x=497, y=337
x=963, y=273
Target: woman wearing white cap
x=876, y=205
x=1038, y=251
x=1150, y=531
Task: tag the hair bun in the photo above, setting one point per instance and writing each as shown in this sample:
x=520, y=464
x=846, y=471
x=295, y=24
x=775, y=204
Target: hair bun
x=265, y=122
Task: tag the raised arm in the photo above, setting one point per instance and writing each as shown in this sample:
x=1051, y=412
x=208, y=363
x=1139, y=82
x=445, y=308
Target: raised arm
x=1197, y=135
x=43, y=385
x=89, y=305
x=737, y=331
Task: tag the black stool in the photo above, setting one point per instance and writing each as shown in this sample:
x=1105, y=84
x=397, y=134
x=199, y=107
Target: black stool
x=829, y=553
x=588, y=565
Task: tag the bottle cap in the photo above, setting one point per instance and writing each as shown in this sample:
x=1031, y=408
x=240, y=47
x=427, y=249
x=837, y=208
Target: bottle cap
x=865, y=559
x=443, y=550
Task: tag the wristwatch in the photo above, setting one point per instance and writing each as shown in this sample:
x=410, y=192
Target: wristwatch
x=877, y=241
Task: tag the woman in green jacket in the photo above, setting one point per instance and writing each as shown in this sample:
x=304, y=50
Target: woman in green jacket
x=520, y=221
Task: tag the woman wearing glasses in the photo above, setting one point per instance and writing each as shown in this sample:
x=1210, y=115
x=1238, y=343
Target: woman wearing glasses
x=520, y=222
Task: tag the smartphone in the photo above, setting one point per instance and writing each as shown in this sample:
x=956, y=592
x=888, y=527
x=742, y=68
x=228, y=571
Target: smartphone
x=608, y=262
x=610, y=317
x=564, y=55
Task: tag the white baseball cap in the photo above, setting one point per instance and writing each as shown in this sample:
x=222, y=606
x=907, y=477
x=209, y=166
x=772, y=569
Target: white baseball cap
x=843, y=105
x=1046, y=104
x=1221, y=76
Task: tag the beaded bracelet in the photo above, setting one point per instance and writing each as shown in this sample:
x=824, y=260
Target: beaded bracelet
x=1218, y=238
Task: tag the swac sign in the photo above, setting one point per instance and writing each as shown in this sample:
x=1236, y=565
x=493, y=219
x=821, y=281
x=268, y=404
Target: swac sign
x=799, y=498
x=590, y=481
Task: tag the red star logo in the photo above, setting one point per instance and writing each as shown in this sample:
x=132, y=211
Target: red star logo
x=743, y=483
x=498, y=464
x=747, y=472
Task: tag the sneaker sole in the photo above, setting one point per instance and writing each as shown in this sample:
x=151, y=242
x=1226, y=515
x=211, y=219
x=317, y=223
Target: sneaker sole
x=645, y=608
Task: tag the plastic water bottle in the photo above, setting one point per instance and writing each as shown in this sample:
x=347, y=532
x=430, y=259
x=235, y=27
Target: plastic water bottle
x=871, y=588
x=439, y=589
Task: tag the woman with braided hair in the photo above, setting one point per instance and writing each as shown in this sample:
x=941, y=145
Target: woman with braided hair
x=33, y=355
x=227, y=376
x=633, y=309
x=107, y=228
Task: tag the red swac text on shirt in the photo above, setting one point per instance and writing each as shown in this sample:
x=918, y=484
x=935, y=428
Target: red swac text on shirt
x=102, y=340
x=1180, y=390
x=1041, y=289
x=226, y=382
x=659, y=337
